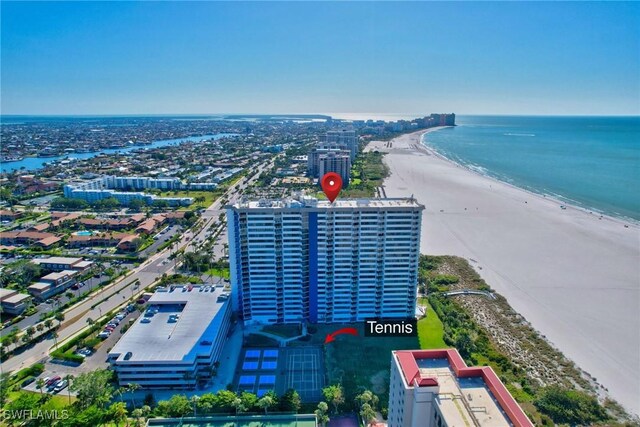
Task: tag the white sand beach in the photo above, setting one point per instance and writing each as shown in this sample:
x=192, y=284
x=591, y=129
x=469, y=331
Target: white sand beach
x=574, y=276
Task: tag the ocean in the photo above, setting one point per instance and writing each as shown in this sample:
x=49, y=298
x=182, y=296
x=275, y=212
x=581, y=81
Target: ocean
x=591, y=162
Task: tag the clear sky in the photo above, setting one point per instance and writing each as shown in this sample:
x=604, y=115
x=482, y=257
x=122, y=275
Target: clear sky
x=346, y=57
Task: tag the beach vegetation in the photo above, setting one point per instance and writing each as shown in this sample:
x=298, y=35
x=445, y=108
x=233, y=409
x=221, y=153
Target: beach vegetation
x=573, y=407
x=367, y=173
x=561, y=399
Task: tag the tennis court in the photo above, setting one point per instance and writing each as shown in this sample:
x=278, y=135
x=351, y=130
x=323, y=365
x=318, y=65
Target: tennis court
x=304, y=372
x=258, y=373
x=300, y=368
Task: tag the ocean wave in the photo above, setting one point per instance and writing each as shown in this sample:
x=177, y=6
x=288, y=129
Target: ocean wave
x=479, y=169
x=519, y=134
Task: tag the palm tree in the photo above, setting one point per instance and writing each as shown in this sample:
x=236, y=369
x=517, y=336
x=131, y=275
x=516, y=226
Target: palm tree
x=237, y=404
x=118, y=412
x=265, y=402
x=368, y=414
x=137, y=414
x=321, y=413
x=40, y=385
x=119, y=391
x=59, y=317
x=14, y=339
x=188, y=376
x=194, y=403
x=48, y=323
x=68, y=379
x=131, y=388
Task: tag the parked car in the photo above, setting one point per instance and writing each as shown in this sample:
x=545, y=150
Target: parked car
x=28, y=381
x=53, y=380
x=84, y=352
x=60, y=386
x=104, y=334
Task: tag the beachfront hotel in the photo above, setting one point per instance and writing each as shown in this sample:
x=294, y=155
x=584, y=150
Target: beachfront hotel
x=177, y=341
x=304, y=259
x=435, y=388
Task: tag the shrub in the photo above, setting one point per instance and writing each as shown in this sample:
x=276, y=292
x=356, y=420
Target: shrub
x=572, y=407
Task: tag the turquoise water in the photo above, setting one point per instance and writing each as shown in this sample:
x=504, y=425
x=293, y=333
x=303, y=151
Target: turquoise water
x=592, y=162
x=84, y=233
x=33, y=163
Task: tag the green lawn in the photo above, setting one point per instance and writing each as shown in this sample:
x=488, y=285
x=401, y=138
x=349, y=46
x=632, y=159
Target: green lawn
x=358, y=362
x=218, y=272
x=209, y=197
x=56, y=401
x=430, y=330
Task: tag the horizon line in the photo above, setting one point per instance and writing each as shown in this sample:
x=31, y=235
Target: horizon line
x=332, y=115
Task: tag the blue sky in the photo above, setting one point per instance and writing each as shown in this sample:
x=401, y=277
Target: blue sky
x=346, y=57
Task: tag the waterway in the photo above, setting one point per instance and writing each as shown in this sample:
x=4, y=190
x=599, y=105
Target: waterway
x=34, y=163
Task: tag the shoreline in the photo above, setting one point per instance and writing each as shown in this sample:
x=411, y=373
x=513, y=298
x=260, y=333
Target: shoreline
x=573, y=276
x=568, y=203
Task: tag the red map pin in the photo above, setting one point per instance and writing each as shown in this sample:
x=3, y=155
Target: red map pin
x=331, y=185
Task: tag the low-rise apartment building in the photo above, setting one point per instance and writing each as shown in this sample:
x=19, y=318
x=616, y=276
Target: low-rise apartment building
x=52, y=284
x=13, y=302
x=58, y=263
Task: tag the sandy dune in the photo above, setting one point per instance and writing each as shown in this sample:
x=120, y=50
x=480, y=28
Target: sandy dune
x=574, y=276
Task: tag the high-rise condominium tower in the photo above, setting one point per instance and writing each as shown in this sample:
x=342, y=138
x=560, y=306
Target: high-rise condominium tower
x=310, y=260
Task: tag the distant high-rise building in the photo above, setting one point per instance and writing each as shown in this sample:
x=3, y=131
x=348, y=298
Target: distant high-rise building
x=310, y=260
x=346, y=138
x=313, y=158
x=338, y=162
x=435, y=388
x=443, y=119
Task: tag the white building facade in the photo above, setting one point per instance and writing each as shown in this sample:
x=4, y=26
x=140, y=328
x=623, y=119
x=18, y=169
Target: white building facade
x=335, y=162
x=346, y=138
x=310, y=260
x=435, y=388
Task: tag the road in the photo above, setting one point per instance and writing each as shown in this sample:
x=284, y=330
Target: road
x=158, y=264
x=46, y=307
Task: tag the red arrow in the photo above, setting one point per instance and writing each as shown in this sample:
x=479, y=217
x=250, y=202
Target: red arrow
x=331, y=337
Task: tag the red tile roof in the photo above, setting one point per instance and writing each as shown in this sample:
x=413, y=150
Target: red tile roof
x=409, y=366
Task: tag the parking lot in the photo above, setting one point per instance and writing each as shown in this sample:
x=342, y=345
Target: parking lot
x=96, y=360
x=51, y=379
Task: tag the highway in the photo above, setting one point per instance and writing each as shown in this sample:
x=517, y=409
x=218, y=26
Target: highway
x=148, y=272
